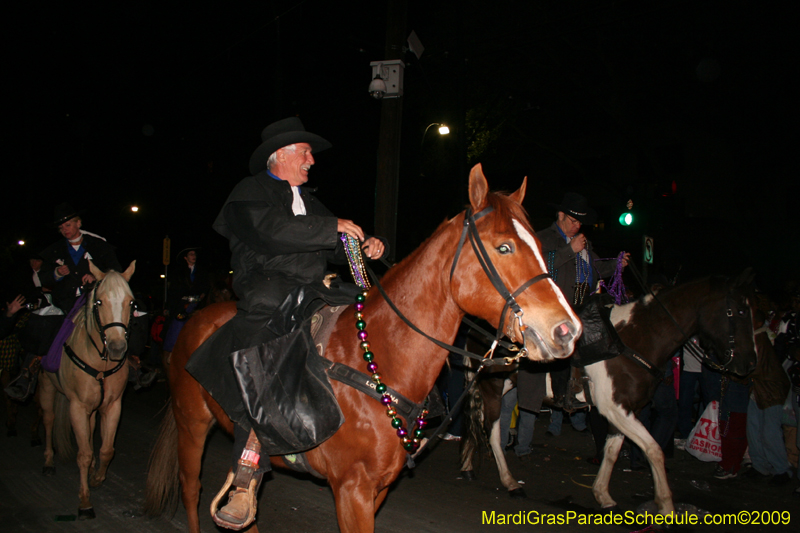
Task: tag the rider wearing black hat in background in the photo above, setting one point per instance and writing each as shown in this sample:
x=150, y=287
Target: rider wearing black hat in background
x=576, y=270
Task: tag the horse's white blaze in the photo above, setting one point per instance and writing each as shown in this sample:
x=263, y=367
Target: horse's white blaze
x=117, y=295
x=528, y=239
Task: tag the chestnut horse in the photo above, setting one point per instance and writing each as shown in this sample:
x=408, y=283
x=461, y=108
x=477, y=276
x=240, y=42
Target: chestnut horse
x=433, y=287
x=91, y=379
x=715, y=309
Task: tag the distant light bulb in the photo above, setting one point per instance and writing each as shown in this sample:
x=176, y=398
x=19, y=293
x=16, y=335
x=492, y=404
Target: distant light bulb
x=21, y=243
x=135, y=208
x=444, y=130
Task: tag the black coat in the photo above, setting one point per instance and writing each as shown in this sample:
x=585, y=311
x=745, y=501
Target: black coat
x=279, y=261
x=564, y=261
x=64, y=290
x=272, y=250
x=182, y=285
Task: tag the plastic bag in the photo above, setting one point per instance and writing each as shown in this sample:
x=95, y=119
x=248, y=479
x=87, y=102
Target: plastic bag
x=704, y=441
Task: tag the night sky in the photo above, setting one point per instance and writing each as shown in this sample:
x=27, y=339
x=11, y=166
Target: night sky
x=681, y=106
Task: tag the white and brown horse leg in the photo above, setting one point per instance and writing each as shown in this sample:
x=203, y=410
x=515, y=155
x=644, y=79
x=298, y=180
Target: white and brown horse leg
x=630, y=426
x=600, y=486
x=508, y=400
x=47, y=398
x=515, y=490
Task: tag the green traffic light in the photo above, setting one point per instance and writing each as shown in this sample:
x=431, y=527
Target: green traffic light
x=626, y=219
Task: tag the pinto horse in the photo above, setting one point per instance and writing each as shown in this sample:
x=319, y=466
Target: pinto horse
x=434, y=288
x=715, y=309
x=91, y=379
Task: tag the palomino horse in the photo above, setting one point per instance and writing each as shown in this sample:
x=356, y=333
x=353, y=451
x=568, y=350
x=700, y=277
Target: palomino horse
x=717, y=310
x=91, y=378
x=433, y=287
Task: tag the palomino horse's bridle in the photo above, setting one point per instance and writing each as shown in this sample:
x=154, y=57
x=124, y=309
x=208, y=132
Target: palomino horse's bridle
x=96, y=304
x=101, y=328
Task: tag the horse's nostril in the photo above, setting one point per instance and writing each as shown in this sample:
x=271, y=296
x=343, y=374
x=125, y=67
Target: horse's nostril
x=562, y=334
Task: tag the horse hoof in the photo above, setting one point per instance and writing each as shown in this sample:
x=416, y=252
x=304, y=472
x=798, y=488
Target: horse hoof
x=49, y=471
x=94, y=483
x=469, y=475
x=36, y=442
x=86, y=514
x=613, y=509
x=517, y=494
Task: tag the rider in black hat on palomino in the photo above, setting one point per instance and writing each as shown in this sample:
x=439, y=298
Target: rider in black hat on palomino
x=281, y=238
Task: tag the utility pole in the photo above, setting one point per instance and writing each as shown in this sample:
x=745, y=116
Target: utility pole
x=388, y=179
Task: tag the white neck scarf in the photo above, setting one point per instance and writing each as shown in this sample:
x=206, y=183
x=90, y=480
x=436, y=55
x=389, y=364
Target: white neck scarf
x=298, y=206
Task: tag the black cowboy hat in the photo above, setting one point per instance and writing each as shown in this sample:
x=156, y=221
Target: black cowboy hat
x=577, y=207
x=185, y=251
x=64, y=212
x=283, y=133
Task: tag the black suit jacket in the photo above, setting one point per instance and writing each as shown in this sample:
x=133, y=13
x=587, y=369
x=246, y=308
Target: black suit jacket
x=65, y=289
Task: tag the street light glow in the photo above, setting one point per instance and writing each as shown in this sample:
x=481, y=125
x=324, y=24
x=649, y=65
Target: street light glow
x=444, y=130
x=135, y=208
x=21, y=243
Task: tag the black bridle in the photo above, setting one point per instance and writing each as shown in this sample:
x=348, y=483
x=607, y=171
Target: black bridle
x=101, y=328
x=485, y=261
x=488, y=267
x=470, y=230
x=730, y=353
x=98, y=375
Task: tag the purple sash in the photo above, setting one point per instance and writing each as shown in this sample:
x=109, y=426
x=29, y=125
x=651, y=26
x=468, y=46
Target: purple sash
x=52, y=361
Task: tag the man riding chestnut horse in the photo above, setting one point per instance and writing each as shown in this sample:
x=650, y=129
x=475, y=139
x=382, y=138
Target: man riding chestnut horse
x=281, y=239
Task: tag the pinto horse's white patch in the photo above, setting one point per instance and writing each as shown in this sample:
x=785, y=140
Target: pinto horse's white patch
x=528, y=239
x=621, y=314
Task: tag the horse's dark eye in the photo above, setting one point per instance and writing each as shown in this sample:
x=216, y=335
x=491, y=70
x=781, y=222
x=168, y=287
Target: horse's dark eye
x=505, y=249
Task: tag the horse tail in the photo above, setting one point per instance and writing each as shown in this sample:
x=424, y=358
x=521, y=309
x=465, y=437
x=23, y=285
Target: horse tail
x=62, y=428
x=162, y=470
x=475, y=437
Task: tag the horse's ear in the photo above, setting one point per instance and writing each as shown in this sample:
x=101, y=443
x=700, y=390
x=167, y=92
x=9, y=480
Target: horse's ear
x=478, y=188
x=519, y=195
x=129, y=271
x=745, y=278
x=96, y=272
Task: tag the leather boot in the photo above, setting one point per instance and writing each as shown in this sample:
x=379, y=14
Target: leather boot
x=240, y=511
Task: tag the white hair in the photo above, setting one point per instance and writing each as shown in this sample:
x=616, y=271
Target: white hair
x=273, y=158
